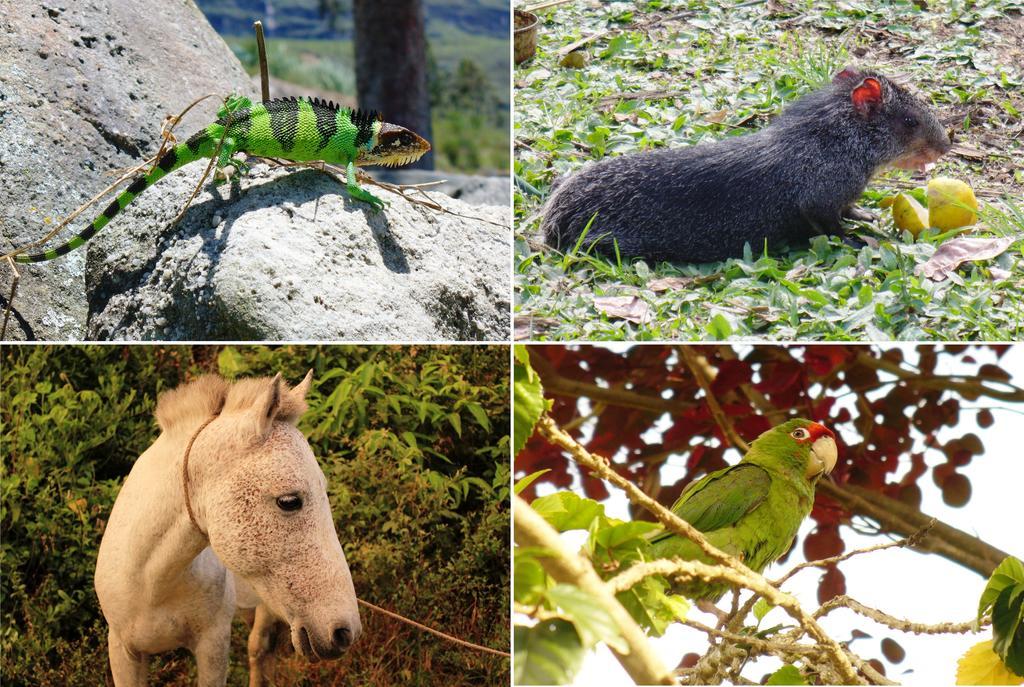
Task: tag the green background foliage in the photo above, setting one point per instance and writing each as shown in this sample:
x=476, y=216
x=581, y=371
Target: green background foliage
x=413, y=441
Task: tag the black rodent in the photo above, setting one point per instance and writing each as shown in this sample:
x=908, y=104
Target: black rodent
x=792, y=180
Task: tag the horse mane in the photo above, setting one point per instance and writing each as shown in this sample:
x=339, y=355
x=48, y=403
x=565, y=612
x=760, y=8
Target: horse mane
x=245, y=393
x=190, y=404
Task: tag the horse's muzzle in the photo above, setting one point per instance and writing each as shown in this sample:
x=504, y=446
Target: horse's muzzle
x=314, y=649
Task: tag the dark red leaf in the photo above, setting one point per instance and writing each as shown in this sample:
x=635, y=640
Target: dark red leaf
x=892, y=651
x=823, y=542
x=985, y=419
x=956, y=490
x=822, y=360
x=731, y=373
x=831, y=585
x=910, y=495
x=689, y=660
x=990, y=371
x=972, y=443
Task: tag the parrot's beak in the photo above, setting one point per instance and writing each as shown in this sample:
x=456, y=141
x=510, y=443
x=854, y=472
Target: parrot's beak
x=823, y=457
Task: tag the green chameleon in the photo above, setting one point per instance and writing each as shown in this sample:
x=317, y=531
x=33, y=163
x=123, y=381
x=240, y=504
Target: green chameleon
x=295, y=129
x=753, y=509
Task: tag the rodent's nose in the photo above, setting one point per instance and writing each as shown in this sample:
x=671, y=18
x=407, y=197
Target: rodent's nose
x=342, y=637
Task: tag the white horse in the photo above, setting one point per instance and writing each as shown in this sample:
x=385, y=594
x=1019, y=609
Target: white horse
x=227, y=510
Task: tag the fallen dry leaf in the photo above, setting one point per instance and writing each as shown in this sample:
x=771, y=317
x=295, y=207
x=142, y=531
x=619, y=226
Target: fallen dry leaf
x=717, y=117
x=956, y=252
x=670, y=283
x=623, y=307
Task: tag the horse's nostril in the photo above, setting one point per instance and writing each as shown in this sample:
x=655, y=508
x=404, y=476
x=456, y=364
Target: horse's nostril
x=342, y=637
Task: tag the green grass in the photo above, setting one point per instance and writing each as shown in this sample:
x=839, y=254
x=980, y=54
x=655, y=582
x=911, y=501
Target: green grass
x=724, y=71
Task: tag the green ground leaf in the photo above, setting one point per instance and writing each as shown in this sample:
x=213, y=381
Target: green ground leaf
x=549, y=653
x=719, y=328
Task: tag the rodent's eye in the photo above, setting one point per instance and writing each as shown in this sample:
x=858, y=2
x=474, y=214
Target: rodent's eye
x=289, y=502
x=800, y=433
x=910, y=122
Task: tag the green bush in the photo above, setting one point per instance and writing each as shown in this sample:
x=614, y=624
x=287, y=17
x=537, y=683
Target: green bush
x=413, y=442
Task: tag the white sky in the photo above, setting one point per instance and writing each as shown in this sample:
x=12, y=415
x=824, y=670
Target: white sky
x=920, y=587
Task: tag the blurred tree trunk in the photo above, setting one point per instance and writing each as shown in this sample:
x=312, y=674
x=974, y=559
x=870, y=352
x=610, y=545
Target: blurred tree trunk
x=391, y=64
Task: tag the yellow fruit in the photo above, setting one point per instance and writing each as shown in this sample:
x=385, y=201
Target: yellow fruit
x=951, y=204
x=908, y=214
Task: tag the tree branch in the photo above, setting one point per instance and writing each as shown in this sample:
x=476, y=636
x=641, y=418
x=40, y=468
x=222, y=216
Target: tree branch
x=832, y=560
x=697, y=365
x=643, y=665
x=895, y=623
x=966, y=386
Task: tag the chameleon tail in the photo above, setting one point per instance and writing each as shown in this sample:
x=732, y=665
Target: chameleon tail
x=199, y=145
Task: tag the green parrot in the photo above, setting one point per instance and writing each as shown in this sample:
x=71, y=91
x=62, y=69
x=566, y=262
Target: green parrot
x=753, y=509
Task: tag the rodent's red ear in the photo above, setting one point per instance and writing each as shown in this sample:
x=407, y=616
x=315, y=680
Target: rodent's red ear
x=867, y=97
x=848, y=74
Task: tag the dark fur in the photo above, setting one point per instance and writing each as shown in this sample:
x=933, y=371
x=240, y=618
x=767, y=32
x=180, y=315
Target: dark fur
x=785, y=183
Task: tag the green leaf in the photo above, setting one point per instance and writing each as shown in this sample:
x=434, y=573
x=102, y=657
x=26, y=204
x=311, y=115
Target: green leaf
x=528, y=399
x=549, y=653
x=651, y=606
x=456, y=423
x=617, y=535
x=593, y=623
x=528, y=480
x=530, y=581
x=1008, y=627
x=479, y=414
x=1010, y=571
x=719, y=328
x=566, y=511
x=786, y=675
x=761, y=608
x=231, y=363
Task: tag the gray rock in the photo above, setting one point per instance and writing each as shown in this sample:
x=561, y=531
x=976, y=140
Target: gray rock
x=475, y=190
x=294, y=258
x=84, y=87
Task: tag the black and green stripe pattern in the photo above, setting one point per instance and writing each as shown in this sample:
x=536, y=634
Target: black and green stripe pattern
x=295, y=129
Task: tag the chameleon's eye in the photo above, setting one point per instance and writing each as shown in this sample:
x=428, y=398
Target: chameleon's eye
x=800, y=433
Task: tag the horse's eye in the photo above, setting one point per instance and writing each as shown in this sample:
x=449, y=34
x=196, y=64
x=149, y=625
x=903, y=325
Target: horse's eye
x=289, y=502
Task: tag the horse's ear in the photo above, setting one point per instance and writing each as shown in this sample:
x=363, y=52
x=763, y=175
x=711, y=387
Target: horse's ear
x=302, y=388
x=293, y=404
x=265, y=409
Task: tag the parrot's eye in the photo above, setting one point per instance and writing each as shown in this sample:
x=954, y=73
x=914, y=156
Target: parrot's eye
x=800, y=433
